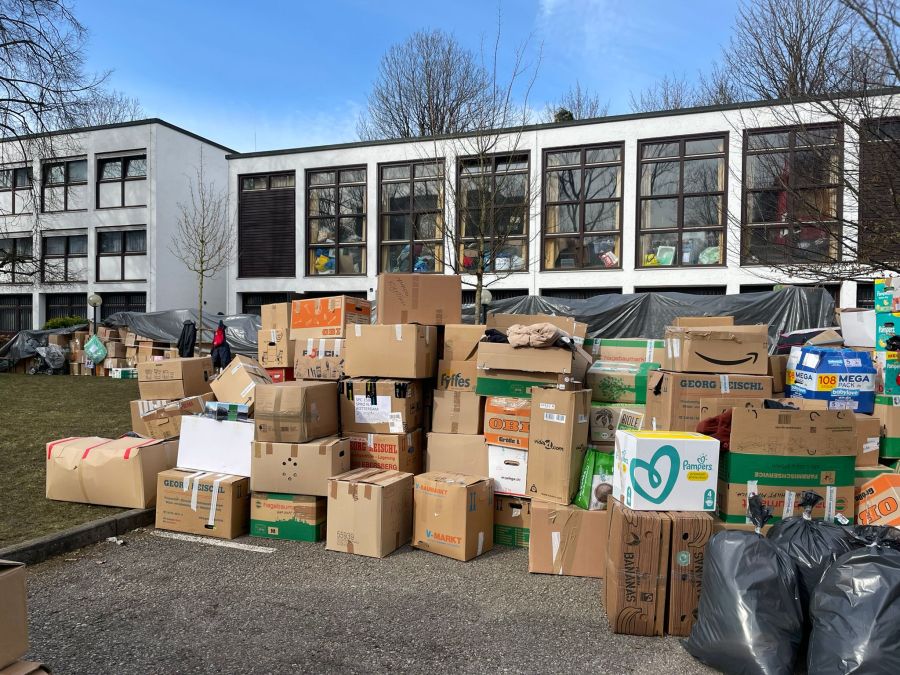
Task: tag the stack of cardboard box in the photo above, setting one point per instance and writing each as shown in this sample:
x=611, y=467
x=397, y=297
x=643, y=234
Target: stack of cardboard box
x=319, y=330
x=14, y=622
x=275, y=347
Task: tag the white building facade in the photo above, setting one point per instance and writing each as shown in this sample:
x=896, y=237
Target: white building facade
x=94, y=211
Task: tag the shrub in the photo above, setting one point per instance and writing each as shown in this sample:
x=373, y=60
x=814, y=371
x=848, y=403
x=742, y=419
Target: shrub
x=64, y=322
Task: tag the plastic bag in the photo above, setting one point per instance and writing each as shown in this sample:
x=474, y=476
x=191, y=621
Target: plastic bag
x=595, y=484
x=855, y=609
x=95, y=349
x=749, y=618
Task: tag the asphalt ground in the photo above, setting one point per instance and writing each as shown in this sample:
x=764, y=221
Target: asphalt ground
x=158, y=605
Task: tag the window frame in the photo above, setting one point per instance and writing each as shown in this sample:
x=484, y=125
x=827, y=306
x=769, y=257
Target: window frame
x=268, y=176
x=111, y=304
x=745, y=190
x=69, y=304
x=123, y=178
x=65, y=258
x=66, y=184
x=413, y=212
x=15, y=237
x=122, y=254
x=17, y=304
x=337, y=245
x=13, y=190
x=581, y=204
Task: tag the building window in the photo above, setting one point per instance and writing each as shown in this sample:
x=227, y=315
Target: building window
x=122, y=302
x=64, y=187
x=791, y=195
x=64, y=258
x=58, y=305
x=251, y=303
x=879, y=190
x=411, y=213
x=279, y=181
x=122, y=255
x=15, y=191
x=681, y=202
x=336, y=221
x=16, y=260
x=493, y=213
x=15, y=313
x=121, y=181
x=583, y=207
x=267, y=226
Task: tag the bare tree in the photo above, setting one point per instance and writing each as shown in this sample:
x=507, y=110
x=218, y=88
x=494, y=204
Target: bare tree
x=576, y=104
x=203, y=240
x=106, y=107
x=670, y=93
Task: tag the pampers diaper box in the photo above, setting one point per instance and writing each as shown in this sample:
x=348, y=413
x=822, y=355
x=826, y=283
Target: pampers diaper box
x=844, y=378
x=666, y=470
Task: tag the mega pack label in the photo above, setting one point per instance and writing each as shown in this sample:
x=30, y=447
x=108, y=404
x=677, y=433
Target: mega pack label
x=842, y=377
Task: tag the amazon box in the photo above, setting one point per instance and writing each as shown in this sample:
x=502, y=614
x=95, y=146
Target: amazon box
x=512, y=521
x=162, y=419
x=868, y=440
x=370, y=512
x=290, y=517
x=454, y=514
x=327, y=317
x=457, y=412
x=381, y=406
x=274, y=348
x=399, y=350
x=690, y=535
x=507, y=421
x=207, y=504
x=13, y=612
x=560, y=425
x=427, y=299
x=695, y=321
x=625, y=350
x=457, y=375
x=238, y=382
x=793, y=432
x=461, y=341
x=566, y=540
x=390, y=452
x=739, y=350
x=457, y=453
x=636, y=577
x=878, y=501
x=174, y=378
x=321, y=359
x=296, y=412
x=298, y=468
x=276, y=316
x=109, y=472
x=220, y=446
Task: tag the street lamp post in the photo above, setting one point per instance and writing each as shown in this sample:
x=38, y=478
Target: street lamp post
x=95, y=301
x=486, y=298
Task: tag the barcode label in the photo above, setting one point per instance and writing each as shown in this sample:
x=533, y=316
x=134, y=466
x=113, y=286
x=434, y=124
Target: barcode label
x=555, y=417
x=548, y=406
x=784, y=418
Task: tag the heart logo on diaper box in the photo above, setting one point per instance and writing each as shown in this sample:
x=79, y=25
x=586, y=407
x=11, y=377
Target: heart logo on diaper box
x=655, y=480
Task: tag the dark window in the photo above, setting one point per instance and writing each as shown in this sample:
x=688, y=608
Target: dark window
x=122, y=255
x=411, y=217
x=681, y=201
x=15, y=191
x=64, y=258
x=15, y=313
x=578, y=293
x=251, y=302
x=63, y=187
x=336, y=221
x=691, y=290
x=122, y=181
x=468, y=297
x=492, y=208
x=865, y=295
x=792, y=197
x=66, y=304
x=267, y=226
x=583, y=207
x=879, y=190
x=122, y=302
x=16, y=260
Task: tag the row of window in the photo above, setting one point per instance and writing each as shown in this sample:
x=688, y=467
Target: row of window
x=121, y=256
x=791, y=204
x=121, y=182
x=16, y=310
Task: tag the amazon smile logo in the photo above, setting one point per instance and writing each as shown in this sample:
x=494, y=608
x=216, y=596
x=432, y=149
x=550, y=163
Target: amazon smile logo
x=751, y=356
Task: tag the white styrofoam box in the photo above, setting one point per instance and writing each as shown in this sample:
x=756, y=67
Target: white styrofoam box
x=508, y=467
x=858, y=327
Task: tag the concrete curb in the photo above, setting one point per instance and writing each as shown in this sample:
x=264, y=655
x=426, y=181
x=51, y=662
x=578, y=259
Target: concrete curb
x=38, y=550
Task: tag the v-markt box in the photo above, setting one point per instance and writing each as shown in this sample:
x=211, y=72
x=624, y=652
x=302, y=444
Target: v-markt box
x=666, y=470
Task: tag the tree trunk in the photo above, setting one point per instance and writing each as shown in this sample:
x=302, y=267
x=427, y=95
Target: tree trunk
x=199, y=348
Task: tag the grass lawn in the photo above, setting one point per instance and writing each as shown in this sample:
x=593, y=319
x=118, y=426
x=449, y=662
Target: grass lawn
x=35, y=409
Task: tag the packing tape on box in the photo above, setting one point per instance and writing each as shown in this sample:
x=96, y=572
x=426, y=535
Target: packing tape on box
x=196, y=489
x=648, y=354
x=309, y=346
x=52, y=445
x=357, y=329
x=427, y=335
x=480, y=543
x=752, y=489
x=246, y=390
x=186, y=481
x=273, y=336
x=214, y=500
x=788, y=511
x=724, y=384
x=830, y=500
x=398, y=332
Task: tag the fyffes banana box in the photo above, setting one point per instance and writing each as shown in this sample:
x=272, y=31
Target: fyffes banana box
x=666, y=470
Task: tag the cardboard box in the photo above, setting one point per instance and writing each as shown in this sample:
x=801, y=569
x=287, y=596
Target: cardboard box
x=298, y=468
x=295, y=412
x=321, y=359
x=625, y=350
x=512, y=521
x=695, y=321
x=454, y=514
x=608, y=418
x=507, y=421
x=887, y=409
x=673, y=399
x=508, y=468
x=502, y=322
x=427, y=299
x=568, y=541
x=26, y=668
x=211, y=445
x=512, y=383
x=457, y=375
x=108, y=363
x=380, y=406
x=777, y=371
x=162, y=419
x=461, y=341
x=793, y=432
x=237, y=383
x=887, y=325
x=732, y=504
x=666, y=470
x=868, y=440
x=280, y=375
x=399, y=350
x=560, y=425
x=327, y=317
x=636, y=577
x=863, y=474
x=739, y=350
x=208, y=504
x=59, y=340
x=291, y=517
x=175, y=378
x=690, y=535
x=878, y=501
x=275, y=349
x=110, y=472
x=13, y=612
x=115, y=350
x=858, y=327
x=370, y=512
x=457, y=412
x=390, y=452
x=842, y=377
x=504, y=357
x=276, y=316
x=457, y=453
x=612, y=382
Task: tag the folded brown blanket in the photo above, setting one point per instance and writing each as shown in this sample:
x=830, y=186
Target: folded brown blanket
x=534, y=335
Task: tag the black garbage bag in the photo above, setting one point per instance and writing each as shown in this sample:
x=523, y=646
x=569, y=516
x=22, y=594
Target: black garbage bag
x=855, y=609
x=749, y=618
x=187, y=339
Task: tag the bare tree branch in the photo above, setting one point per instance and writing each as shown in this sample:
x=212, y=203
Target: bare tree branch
x=576, y=104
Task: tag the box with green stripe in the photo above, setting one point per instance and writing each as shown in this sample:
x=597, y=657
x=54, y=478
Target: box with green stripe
x=612, y=382
x=799, y=471
x=887, y=409
x=625, y=350
x=283, y=516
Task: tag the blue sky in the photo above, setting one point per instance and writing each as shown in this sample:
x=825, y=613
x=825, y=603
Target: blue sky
x=277, y=74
